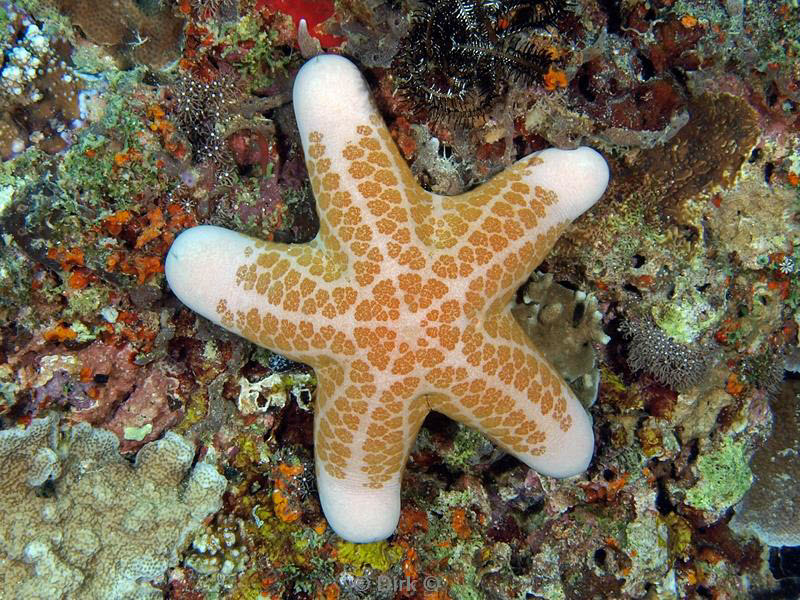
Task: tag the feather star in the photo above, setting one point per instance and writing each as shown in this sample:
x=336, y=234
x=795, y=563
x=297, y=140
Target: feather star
x=401, y=304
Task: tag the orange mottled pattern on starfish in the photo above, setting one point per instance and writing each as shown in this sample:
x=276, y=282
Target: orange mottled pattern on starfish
x=401, y=303
x=372, y=306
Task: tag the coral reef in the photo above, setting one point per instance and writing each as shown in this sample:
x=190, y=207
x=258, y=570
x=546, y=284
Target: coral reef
x=78, y=521
x=770, y=508
x=564, y=324
x=124, y=123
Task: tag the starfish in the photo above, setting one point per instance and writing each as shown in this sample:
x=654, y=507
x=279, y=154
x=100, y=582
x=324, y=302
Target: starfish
x=401, y=303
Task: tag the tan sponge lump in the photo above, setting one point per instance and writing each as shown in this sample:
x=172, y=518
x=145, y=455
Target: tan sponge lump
x=78, y=521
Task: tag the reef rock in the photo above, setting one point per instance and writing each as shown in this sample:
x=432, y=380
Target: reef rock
x=78, y=521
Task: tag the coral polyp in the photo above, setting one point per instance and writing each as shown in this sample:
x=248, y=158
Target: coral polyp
x=650, y=349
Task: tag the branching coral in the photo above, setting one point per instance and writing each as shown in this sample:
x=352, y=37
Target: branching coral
x=77, y=521
x=676, y=365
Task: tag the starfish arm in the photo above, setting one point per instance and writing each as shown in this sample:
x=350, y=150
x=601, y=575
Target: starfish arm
x=513, y=396
x=275, y=295
x=493, y=236
x=367, y=198
x=363, y=433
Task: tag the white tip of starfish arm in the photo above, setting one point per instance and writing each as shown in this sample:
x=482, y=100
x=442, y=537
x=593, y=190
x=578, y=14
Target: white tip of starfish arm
x=356, y=513
x=330, y=96
x=201, y=266
x=574, y=450
x=579, y=177
x=329, y=87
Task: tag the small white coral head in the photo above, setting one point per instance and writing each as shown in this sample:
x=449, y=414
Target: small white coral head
x=309, y=45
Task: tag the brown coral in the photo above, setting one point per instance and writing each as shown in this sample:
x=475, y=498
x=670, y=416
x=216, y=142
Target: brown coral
x=706, y=153
x=563, y=324
x=151, y=39
x=77, y=521
x=771, y=508
x=656, y=200
x=39, y=93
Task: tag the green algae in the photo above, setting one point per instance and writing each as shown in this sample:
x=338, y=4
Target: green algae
x=687, y=317
x=257, y=57
x=467, y=444
x=137, y=433
x=442, y=545
x=196, y=410
x=90, y=170
x=725, y=477
x=86, y=303
x=680, y=536
x=378, y=555
x=647, y=541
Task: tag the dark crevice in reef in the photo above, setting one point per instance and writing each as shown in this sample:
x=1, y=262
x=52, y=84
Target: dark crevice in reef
x=613, y=10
